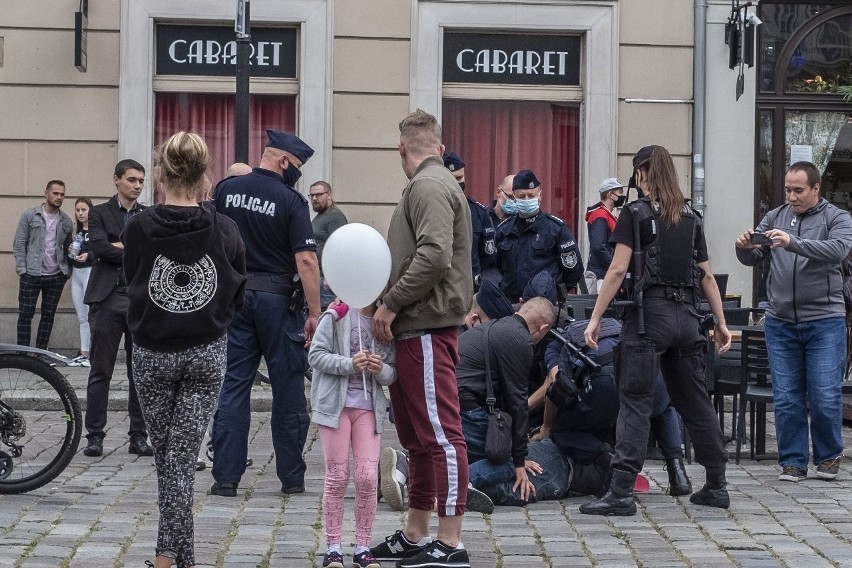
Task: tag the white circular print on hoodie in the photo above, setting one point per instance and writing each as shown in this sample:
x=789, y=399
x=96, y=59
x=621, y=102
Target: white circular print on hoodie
x=182, y=288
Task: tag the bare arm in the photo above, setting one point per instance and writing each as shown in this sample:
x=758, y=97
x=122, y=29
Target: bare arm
x=308, y=269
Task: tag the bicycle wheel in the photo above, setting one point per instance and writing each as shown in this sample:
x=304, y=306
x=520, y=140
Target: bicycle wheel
x=40, y=423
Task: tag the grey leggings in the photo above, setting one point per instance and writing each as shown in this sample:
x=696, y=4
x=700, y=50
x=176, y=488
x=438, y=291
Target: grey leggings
x=177, y=392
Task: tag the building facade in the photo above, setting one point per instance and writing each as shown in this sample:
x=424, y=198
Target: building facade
x=568, y=88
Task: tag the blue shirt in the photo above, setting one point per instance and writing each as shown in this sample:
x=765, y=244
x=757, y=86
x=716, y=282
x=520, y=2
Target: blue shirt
x=273, y=218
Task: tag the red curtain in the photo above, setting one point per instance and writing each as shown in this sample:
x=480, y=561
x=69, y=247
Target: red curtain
x=212, y=117
x=498, y=138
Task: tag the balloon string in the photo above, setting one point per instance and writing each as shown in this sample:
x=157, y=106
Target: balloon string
x=361, y=348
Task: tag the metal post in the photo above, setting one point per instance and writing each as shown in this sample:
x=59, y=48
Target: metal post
x=698, y=84
x=241, y=102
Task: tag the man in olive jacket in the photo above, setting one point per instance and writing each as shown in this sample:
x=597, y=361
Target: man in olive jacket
x=430, y=291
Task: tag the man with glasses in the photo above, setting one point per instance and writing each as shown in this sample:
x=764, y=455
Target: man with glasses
x=327, y=220
x=501, y=195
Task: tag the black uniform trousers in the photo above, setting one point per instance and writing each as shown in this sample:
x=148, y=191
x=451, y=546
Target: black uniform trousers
x=674, y=345
x=108, y=322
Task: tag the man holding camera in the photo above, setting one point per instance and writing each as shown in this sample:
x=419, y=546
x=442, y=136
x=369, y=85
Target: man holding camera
x=806, y=239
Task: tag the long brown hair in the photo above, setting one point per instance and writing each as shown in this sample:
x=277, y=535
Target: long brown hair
x=661, y=181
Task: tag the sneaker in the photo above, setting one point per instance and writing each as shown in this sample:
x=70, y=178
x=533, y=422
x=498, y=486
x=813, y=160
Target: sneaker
x=437, y=555
x=793, y=473
x=829, y=468
x=478, y=502
x=365, y=560
x=76, y=361
x=84, y=362
x=393, y=468
x=200, y=464
x=396, y=546
x=332, y=559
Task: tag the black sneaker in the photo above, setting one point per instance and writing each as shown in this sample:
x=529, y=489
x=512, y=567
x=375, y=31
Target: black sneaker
x=224, y=489
x=396, y=546
x=393, y=469
x=332, y=559
x=94, y=448
x=437, y=555
x=478, y=502
x=365, y=560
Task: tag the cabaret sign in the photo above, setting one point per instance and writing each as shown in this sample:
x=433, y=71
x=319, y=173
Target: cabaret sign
x=517, y=59
x=212, y=51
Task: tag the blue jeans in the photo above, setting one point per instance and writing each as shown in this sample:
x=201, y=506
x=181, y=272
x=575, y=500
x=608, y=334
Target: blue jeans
x=475, y=427
x=496, y=480
x=807, y=361
x=264, y=326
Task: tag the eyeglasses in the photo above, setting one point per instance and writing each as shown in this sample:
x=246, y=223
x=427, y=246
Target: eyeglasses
x=317, y=195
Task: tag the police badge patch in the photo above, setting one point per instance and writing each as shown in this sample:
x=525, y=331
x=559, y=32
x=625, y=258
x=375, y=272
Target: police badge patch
x=569, y=259
x=490, y=248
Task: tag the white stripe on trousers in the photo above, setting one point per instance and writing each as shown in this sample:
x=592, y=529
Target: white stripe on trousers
x=437, y=428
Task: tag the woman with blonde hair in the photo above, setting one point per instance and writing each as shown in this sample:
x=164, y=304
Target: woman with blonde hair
x=185, y=266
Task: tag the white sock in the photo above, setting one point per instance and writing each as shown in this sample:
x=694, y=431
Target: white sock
x=359, y=548
x=335, y=548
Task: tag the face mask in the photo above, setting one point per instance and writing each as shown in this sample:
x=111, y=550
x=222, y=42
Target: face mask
x=291, y=175
x=620, y=201
x=461, y=185
x=527, y=206
x=510, y=207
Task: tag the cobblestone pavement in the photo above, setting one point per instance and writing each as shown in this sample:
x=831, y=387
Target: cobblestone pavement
x=102, y=512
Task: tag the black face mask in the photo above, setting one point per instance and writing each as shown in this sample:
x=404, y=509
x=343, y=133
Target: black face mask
x=291, y=175
x=461, y=185
x=620, y=201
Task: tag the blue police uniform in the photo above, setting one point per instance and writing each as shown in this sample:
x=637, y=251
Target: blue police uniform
x=483, y=252
x=525, y=247
x=274, y=222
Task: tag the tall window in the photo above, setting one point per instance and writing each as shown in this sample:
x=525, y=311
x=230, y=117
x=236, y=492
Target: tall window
x=498, y=138
x=212, y=117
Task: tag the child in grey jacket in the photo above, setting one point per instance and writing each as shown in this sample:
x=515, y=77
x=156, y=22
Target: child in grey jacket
x=349, y=404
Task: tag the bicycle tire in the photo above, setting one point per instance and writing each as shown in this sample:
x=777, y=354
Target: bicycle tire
x=39, y=393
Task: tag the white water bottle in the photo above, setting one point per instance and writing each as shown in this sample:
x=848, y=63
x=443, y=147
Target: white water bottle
x=76, y=246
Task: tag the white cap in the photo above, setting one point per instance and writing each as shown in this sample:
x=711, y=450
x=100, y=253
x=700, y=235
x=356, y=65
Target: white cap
x=611, y=183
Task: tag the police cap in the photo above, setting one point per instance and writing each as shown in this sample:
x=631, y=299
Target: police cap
x=541, y=284
x=492, y=301
x=525, y=179
x=289, y=143
x=453, y=162
x=642, y=156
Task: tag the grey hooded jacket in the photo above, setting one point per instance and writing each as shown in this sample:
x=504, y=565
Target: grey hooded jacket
x=332, y=365
x=805, y=282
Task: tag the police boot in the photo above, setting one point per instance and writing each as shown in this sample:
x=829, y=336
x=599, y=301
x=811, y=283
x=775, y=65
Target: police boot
x=618, y=500
x=715, y=492
x=679, y=483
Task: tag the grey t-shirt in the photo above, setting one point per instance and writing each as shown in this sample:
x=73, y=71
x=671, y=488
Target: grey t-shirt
x=325, y=224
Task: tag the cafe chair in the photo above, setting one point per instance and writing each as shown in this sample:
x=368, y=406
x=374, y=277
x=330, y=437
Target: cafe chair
x=723, y=380
x=742, y=316
x=755, y=384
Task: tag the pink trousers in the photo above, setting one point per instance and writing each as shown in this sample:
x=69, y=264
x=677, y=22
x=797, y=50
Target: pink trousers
x=357, y=429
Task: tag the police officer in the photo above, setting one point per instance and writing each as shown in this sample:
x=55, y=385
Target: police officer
x=674, y=267
x=483, y=252
x=530, y=241
x=275, y=224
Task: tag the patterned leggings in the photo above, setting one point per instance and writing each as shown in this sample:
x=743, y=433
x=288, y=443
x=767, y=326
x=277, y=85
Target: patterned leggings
x=177, y=392
x=357, y=428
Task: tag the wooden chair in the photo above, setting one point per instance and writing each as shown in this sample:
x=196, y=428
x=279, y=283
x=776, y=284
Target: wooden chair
x=755, y=383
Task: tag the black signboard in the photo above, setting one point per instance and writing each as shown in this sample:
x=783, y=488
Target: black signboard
x=81, y=37
x=212, y=51
x=517, y=59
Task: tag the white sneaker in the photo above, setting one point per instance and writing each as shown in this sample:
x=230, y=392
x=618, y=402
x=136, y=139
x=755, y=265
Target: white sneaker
x=76, y=361
x=84, y=362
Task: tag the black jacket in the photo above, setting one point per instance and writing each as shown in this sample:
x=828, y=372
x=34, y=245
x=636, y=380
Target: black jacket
x=185, y=270
x=106, y=221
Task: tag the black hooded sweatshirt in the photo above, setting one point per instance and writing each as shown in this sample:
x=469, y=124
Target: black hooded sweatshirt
x=185, y=270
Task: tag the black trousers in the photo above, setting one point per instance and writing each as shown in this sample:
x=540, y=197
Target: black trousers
x=108, y=322
x=673, y=345
x=50, y=288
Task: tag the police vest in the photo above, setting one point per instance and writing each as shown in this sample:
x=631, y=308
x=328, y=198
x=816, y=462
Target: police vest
x=669, y=258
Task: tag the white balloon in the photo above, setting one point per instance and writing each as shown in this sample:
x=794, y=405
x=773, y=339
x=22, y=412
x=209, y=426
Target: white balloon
x=356, y=262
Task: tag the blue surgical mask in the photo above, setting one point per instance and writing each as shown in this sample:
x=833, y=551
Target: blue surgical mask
x=510, y=207
x=291, y=175
x=527, y=206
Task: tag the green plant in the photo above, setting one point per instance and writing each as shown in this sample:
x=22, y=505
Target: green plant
x=846, y=91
